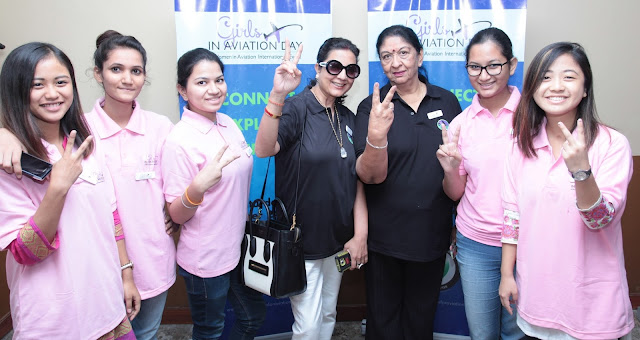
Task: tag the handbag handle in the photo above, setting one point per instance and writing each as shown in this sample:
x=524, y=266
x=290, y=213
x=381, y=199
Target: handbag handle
x=295, y=202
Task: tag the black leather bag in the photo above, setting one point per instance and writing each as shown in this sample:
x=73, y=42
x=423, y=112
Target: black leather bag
x=272, y=255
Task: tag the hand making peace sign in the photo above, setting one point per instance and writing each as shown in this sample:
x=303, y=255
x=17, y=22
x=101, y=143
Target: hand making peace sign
x=381, y=115
x=448, y=153
x=574, y=149
x=287, y=76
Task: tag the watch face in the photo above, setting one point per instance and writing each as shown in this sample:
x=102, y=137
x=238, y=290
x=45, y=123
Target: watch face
x=581, y=175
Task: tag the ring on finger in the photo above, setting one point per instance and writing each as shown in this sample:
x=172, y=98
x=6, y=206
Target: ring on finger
x=359, y=265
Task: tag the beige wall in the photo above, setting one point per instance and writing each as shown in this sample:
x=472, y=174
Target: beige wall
x=603, y=27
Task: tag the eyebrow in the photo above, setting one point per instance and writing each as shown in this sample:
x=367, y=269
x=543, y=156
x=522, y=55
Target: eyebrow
x=58, y=77
x=119, y=64
x=400, y=49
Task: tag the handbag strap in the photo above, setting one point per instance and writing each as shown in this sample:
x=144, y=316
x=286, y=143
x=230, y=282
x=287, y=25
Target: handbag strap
x=295, y=202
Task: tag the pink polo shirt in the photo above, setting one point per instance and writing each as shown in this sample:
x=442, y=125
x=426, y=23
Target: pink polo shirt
x=76, y=292
x=483, y=143
x=209, y=243
x=133, y=157
x=570, y=277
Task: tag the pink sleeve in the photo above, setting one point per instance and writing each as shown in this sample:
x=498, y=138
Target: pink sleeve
x=612, y=165
x=31, y=246
x=119, y=232
x=511, y=216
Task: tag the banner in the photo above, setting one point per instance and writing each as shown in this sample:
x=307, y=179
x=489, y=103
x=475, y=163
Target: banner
x=249, y=37
x=444, y=28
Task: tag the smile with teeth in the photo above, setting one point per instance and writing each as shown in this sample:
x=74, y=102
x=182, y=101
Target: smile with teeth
x=338, y=84
x=556, y=99
x=51, y=105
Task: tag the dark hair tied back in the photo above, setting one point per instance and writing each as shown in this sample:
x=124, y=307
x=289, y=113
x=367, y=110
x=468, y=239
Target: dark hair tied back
x=111, y=40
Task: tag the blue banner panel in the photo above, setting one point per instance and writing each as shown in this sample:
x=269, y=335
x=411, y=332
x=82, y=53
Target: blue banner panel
x=249, y=6
x=416, y=5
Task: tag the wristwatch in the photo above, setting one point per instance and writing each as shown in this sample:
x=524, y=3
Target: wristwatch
x=580, y=175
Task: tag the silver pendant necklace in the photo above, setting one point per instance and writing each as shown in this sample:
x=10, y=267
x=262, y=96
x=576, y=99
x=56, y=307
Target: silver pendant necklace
x=343, y=152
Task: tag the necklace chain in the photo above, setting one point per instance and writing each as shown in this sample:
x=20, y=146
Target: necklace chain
x=331, y=120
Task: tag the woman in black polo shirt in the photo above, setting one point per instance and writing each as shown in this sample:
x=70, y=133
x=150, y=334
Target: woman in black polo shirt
x=331, y=206
x=396, y=138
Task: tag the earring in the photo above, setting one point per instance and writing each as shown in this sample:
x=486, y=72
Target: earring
x=317, y=76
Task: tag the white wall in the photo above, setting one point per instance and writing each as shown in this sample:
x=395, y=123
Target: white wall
x=603, y=27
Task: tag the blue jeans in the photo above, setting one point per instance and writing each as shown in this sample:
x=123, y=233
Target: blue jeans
x=146, y=323
x=479, y=266
x=207, y=298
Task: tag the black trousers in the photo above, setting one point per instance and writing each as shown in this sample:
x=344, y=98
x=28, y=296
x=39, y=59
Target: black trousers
x=402, y=297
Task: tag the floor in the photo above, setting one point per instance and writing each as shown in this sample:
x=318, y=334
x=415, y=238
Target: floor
x=343, y=331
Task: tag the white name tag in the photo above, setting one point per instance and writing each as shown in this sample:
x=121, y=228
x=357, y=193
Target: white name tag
x=92, y=176
x=248, y=151
x=141, y=176
x=434, y=114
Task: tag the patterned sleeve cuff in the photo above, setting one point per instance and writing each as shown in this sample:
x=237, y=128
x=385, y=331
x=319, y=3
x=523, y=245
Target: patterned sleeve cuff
x=32, y=246
x=599, y=214
x=510, y=227
x=119, y=232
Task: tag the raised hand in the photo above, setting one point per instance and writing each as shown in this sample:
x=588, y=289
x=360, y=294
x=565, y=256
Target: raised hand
x=381, y=115
x=287, y=77
x=448, y=154
x=212, y=172
x=574, y=150
x=67, y=170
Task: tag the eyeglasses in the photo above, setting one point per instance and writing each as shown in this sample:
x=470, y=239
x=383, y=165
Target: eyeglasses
x=386, y=58
x=492, y=69
x=334, y=67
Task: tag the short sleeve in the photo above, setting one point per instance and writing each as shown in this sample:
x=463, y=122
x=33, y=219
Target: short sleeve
x=177, y=169
x=509, y=194
x=362, y=126
x=289, y=125
x=612, y=166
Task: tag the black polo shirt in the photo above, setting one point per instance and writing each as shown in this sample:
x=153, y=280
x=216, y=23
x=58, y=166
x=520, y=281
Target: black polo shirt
x=410, y=216
x=327, y=189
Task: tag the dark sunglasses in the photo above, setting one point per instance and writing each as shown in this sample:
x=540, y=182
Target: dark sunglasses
x=334, y=67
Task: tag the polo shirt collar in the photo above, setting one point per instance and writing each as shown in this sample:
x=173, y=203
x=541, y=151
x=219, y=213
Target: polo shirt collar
x=199, y=122
x=541, y=140
x=510, y=105
x=107, y=127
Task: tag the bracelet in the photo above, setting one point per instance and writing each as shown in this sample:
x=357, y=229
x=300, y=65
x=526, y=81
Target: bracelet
x=189, y=200
x=377, y=147
x=127, y=265
x=271, y=114
x=275, y=103
x=185, y=205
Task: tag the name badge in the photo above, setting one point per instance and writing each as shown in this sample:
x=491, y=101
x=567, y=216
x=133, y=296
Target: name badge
x=141, y=176
x=434, y=114
x=92, y=176
x=248, y=151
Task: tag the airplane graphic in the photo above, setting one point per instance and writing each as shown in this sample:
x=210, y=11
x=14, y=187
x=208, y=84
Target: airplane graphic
x=276, y=31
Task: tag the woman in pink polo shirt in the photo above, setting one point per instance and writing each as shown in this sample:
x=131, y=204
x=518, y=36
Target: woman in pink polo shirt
x=131, y=140
x=68, y=260
x=207, y=167
x=564, y=192
x=471, y=156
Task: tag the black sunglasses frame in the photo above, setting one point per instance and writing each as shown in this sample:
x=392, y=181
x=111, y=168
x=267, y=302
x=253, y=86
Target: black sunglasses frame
x=332, y=63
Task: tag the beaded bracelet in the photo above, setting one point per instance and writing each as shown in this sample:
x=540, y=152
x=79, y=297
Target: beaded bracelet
x=189, y=200
x=275, y=103
x=377, y=147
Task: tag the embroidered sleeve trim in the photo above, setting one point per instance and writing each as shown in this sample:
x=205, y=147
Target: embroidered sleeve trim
x=510, y=227
x=33, y=244
x=599, y=214
x=119, y=232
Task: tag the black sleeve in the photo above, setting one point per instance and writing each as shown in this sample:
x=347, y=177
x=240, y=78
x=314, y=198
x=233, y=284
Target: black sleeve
x=362, y=126
x=289, y=125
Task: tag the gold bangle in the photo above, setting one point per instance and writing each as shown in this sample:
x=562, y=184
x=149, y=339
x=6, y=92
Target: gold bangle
x=275, y=103
x=186, y=195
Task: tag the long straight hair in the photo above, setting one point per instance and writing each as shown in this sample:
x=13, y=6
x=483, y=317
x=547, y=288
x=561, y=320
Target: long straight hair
x=16, y=79
x=528, y=117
